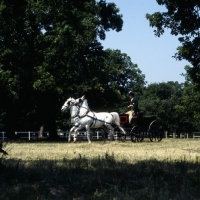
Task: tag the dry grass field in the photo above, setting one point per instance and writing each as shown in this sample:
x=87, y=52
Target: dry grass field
x=102, y=170
x=168, y=149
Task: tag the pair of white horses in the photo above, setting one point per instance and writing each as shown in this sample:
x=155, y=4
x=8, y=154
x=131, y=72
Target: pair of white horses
x=82, y=117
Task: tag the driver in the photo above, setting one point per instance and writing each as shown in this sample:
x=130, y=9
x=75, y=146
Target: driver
x=133, y=106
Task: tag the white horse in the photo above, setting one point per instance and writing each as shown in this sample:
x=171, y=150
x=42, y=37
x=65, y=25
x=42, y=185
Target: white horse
x=84, y=118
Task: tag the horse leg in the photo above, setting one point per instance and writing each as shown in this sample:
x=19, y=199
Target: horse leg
x=92, y=133
x=111, y=129
x=107, y=131
x=88, y=133
x=75, y=134
x=76, y=130
x=71, y=130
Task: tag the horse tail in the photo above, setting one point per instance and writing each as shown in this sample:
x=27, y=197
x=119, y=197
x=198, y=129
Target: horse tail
x=116, y=118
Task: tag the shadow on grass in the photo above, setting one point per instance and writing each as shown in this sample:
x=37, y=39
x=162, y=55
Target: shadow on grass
x=99, y=178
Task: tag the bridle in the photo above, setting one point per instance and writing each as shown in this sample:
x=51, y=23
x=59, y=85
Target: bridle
x=78, y=106
x=77, y=112
x=69, y=105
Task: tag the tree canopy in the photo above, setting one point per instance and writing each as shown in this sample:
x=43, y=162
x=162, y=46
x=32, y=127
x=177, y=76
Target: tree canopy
x=183, y=19
x=50, y=50
x=160, y=99
x=188, y=108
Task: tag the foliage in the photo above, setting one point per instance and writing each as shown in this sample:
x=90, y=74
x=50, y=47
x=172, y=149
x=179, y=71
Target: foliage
x=188, y=108
x=175, y=105
x=160, y=99
x=48, y=54
x=183, y=19
x=116, y=77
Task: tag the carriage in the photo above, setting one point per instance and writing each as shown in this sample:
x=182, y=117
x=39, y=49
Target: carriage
x=112, y=124
x=140, y=127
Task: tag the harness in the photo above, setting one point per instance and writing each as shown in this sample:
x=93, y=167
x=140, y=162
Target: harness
x=75, y=115
x=86, y=114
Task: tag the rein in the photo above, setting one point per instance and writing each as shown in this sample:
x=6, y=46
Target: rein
x=86, y=114
x=75, y=115
x=97, y=119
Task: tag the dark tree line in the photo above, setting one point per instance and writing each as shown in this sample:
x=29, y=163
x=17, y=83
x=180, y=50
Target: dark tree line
x=50, y=50
x=175, y=104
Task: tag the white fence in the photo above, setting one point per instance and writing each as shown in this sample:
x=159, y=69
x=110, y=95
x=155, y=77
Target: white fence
x=196, y=135
x=98, y=134
x=33, y=135
x=26, y=135
x=3, y=136
x=175, y=135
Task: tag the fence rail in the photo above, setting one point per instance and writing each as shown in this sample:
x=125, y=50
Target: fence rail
x=196, y=134
x=25, y=135
x=98, y=134
x=82, y=134
x=176, y=135
x=3, y=135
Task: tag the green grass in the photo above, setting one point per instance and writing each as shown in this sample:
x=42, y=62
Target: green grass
x=166, y=170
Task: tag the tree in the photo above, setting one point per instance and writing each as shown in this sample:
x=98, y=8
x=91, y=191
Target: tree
x=183, y=19
x=188, y=108
x=111, y=75
x=48, y=54
x=45, y=53
x=160, y=99
x=116, y=77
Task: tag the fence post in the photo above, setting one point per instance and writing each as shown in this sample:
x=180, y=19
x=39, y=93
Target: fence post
x=3, y=136
x=29, y=135
x=165, y=134
x=97, y=135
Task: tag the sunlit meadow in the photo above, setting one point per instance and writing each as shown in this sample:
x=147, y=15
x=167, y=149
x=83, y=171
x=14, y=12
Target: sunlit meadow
x=101, y=170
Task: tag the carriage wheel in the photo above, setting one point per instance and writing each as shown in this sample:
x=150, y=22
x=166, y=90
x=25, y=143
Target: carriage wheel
x=155, y=131
x=137, y=134
x=122, y=138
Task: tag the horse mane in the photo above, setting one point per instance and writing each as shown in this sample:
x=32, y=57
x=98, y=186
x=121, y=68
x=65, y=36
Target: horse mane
x=85, y=103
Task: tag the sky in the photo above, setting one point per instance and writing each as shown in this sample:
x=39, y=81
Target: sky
x=152, y=54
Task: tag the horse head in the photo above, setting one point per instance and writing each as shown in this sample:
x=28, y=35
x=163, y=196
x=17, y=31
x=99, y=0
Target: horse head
x=79, y=101
x=70, y=102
